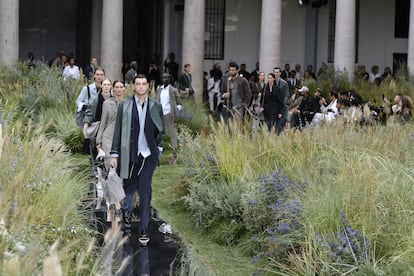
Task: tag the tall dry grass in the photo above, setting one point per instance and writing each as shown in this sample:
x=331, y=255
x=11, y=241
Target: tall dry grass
x=364, y=172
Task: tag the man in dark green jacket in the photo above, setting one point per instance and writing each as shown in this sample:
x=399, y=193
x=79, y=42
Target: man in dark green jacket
x=136, y=148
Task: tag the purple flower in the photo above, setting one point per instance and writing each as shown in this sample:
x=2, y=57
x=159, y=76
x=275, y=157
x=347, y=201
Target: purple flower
x=283, y=228
x=252, y=202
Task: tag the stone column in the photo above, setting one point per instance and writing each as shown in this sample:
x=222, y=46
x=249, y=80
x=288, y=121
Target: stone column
x=166, y=29
x=344, y=57
x=270, y=35
x=410, y=54
x=9, y=32
x=96, y=29
x=193, y=43
x=111, y=46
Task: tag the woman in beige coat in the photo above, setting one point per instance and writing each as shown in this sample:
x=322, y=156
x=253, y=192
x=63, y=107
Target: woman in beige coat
x=106, y=133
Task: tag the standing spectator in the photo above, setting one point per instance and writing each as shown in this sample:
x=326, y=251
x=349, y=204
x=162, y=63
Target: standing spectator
x=374, y=74
x=105, y=136
x=153, y=74
x=257, y=89
x=286, y=73
x=71, y=70
x=167, y=95
x=132, y=72
x=185, y=85
x=284, y=87
x=243, y=73
x=309, y=72
x=171, y=67
x=139, y=129
x=57, y=61
x=273, y=103
x=216, y=71
x=386, y=76
x=257, y=69
x=361, y=73
x=89, y=70
x=299, y=73
x=213, y=89
x=236, y=91
x=292, y=82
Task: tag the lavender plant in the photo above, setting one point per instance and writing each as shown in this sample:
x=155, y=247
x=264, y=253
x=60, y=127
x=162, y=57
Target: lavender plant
x=276, y=233
x=348, y=247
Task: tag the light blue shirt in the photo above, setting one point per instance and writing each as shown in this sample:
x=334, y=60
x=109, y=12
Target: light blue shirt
x=142, y=140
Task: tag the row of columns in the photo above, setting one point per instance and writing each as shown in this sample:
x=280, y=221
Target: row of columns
x=107, y=19
x=270, y=37
x=344, y=56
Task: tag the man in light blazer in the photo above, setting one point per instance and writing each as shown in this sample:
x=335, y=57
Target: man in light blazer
x=167, y=95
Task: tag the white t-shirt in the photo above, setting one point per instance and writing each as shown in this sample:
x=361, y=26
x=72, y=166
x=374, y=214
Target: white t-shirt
x=165, y=99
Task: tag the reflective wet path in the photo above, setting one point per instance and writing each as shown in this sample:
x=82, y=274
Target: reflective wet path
x=159, y=258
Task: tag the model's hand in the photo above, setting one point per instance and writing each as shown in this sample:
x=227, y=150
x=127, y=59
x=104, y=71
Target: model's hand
x=114, y=162
x=226, y=95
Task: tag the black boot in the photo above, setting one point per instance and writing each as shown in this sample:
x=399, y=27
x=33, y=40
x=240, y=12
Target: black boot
x=143, y=238
x=127, y=219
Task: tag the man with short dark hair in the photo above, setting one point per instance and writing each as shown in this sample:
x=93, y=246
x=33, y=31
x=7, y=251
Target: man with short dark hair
x=89, y=71
x=136, y=148
x=236, y=91
x=185, y=85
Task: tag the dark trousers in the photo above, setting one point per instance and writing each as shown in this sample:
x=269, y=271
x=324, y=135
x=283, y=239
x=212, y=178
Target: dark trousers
x=140, y=179
x=277, y=123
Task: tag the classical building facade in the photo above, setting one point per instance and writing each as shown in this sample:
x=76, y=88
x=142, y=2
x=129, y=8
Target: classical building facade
x=344, y=33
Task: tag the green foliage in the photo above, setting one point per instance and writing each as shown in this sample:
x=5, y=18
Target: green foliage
x=42, y=224
x=40, y=200
x=41, y=95
x=193, y=116
x=364, y=172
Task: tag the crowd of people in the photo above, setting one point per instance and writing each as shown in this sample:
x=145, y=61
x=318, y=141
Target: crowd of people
x=130, y=133
x=280, y=100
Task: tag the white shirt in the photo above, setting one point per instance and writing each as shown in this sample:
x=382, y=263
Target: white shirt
x=71, y=72
x=83, y=98
x=215, y=85
x=372, y=77
x=165, y=99
x=331, y=106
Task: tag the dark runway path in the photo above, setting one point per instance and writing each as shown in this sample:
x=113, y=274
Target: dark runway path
x=159, y=258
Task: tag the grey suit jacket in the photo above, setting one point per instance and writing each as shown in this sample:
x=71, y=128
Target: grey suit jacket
x=174, y=98
x=107, y=126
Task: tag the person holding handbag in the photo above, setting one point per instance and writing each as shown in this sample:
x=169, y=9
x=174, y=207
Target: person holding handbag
x=92, y=118
x=104, y=143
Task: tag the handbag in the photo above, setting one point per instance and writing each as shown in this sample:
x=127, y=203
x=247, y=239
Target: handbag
x=114, y=187
x=92, y=130
x=80, y=115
